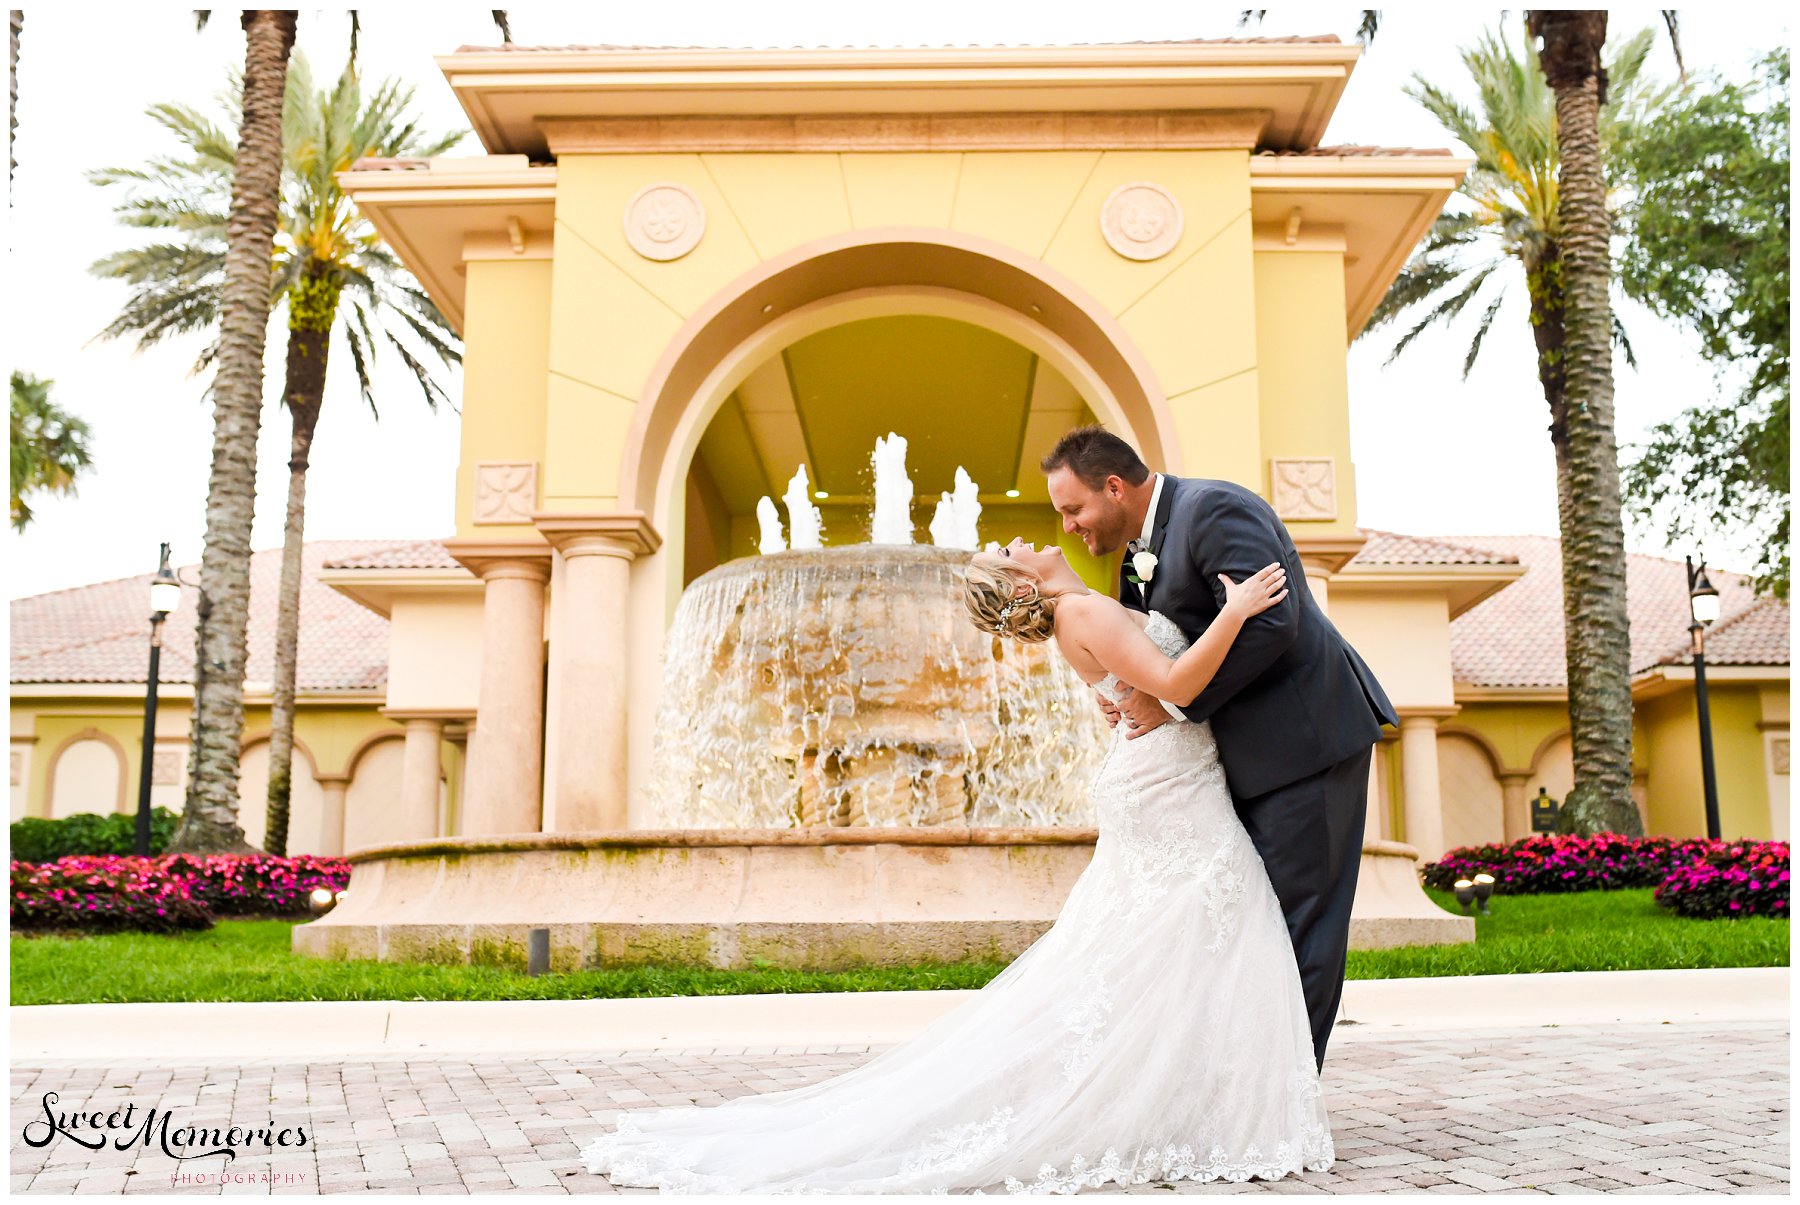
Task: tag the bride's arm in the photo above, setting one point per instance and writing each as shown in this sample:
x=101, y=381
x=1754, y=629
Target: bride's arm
x=1105, y=631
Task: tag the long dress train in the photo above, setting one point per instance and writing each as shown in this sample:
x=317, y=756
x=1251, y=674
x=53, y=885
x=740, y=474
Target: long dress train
x=1156, y=1031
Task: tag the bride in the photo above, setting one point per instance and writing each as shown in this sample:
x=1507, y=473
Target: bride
x=1155, y=1032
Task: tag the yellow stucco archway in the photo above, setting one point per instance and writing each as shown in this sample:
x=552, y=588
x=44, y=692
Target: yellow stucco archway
x=821, y=284
x=874, y=273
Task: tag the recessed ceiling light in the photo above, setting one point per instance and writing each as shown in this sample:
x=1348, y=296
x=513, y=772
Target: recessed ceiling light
x=820, y=494
x=768, y=309
x=1012, y=493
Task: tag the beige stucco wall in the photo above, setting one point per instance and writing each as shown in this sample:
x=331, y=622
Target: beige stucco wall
x=1404, y=637
x=82, y=754
x=434, y=651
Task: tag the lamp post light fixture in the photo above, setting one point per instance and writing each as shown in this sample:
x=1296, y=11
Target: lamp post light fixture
x=165, y=596
x=1703, y=607
x=1483, y=887
x=321, y=901
x=1465, y=894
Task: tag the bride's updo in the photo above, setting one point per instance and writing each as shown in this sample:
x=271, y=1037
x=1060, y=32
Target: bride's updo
x=989, y=586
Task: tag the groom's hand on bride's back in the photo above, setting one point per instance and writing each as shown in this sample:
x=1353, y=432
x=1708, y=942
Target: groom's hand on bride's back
x=1142, y=713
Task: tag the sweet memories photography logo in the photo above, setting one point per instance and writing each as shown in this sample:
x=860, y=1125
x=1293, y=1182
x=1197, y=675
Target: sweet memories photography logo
x=153, y=1129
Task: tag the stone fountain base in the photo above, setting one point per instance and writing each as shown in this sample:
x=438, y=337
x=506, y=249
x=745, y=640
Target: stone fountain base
x=817, y=899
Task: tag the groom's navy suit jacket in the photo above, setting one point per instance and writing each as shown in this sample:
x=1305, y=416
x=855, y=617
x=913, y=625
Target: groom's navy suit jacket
x=1292, y=697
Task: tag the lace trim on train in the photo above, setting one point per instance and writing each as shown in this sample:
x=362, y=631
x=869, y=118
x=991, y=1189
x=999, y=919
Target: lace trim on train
x=1181, y=1163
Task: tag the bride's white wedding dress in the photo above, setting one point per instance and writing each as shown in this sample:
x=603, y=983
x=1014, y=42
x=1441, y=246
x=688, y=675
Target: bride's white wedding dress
x=1156, y=1032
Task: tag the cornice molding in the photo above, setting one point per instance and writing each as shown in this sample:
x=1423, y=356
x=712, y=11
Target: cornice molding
x=1167, y=129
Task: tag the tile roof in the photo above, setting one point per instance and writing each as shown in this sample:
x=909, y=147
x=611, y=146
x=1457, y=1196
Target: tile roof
x=515, y=48
x=1514, y=639
x=99, y=633
x=1363, y=152
x=415, y=554
x=1392, y=548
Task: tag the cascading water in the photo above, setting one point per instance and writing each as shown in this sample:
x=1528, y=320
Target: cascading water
x=846, y=686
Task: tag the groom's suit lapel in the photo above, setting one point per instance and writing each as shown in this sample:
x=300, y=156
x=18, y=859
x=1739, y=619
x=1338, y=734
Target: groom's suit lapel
x=1164, y=505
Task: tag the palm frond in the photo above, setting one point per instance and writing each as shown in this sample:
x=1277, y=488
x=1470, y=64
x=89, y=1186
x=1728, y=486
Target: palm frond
x=1623, y=342
x=1481, y=334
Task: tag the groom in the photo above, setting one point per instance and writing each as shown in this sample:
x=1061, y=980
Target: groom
x=1295, y=711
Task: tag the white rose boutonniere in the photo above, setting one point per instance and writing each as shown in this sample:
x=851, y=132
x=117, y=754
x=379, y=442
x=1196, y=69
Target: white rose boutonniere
x=1143, y=565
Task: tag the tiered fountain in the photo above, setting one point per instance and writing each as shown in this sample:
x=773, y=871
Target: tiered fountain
x=845, y=687
x=846, y=772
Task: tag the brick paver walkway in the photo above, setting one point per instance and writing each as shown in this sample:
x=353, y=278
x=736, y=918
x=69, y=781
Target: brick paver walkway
x=1634, y=1110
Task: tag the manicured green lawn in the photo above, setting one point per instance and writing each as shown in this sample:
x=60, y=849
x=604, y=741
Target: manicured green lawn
x=251, y=960
x=1584, y=931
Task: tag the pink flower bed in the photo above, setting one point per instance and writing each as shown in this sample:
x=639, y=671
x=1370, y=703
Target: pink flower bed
x=164, y=894
x=1544, y=864
x=1744, y=879
x=1693, y=877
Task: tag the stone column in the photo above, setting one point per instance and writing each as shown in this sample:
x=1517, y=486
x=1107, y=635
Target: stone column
x=506, y=754
x=331, y=813
x=421, y=774
x=1424, y=809
x=1515, y=804
x=591, y=716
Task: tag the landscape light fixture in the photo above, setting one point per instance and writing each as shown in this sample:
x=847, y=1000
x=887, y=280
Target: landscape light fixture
x=1483, y=887
x=1465, y=894
x=1703, y=607
x=165, y=596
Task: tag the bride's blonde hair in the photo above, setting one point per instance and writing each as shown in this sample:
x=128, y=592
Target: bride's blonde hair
x=991, y=594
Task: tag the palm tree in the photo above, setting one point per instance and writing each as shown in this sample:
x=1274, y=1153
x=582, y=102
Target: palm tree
x=331, y=272
x=49, y=446
x=1587, y=453
x=1516, y=213
x=209, y=819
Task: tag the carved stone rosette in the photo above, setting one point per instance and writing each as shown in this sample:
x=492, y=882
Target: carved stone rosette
x=1304, y=488
x=505, y=491
x=1141, y=221
x=664, y=222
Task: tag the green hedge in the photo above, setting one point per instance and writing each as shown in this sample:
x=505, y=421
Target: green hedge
x=88, y=834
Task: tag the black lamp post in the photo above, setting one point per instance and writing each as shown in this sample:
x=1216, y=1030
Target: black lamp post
x=1703, y=606
x=165, y=596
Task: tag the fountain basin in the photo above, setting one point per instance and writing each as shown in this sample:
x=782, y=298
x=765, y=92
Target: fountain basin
x=811, y=899
x=815, y=898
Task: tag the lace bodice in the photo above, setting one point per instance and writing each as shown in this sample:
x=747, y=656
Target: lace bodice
x=1164, y=635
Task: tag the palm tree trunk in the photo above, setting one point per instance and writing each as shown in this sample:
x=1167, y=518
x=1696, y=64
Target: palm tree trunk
x=312, y=308
x=1595, y=624
x=210, y=819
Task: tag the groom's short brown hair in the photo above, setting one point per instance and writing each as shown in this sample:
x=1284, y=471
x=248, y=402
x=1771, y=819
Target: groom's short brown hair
x=1093, y=454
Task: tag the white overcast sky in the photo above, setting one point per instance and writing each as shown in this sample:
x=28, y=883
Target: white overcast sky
x=1434, y=455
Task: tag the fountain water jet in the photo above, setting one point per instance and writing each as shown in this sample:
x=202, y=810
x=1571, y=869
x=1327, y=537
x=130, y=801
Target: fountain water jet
x=768, y=522
x=892, y=522
x=805, y=528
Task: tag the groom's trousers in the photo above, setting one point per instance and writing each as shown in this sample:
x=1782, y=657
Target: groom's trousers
x=1310, y=836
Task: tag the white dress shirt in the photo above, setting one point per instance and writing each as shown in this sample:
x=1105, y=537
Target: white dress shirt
x=1142, y=544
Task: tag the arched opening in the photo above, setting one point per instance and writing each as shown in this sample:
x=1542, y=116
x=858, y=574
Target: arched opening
x=800, y=341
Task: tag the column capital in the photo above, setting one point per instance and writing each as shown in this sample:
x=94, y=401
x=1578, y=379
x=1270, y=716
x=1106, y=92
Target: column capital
x=490, y=560
x=625, y=533
x=442, y=715
x=328, y=781
x=1328, y=554
x=1424, y=717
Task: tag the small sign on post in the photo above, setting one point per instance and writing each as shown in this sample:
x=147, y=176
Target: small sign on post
x=1544, y=811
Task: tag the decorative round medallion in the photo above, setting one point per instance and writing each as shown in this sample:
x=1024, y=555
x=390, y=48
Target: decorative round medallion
x=1141, y=221
x=664, y=221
